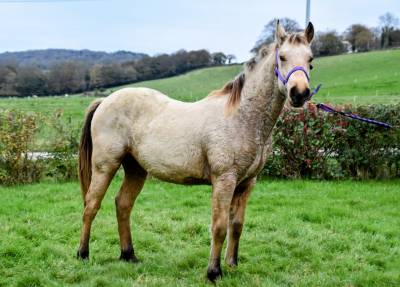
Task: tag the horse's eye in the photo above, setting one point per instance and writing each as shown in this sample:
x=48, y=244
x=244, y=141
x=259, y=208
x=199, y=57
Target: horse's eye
x=311, y=67
x=283, y=59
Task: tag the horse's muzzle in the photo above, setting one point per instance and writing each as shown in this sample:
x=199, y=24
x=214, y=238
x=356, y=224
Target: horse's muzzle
x=298, y=98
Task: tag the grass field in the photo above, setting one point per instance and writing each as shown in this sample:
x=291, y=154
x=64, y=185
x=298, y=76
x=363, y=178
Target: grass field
x=365, y=78
x=298, y=233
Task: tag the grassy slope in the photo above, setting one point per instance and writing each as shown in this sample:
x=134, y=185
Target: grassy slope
x=365, y=78
x=298, y=233
x=188, y=87
x=359, y=79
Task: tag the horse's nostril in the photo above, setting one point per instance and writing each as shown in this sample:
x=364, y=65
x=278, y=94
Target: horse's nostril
x=307, y=92
x=293, y=92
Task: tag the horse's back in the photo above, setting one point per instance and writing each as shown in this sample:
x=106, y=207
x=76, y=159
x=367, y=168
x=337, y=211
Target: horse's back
x=164, y=135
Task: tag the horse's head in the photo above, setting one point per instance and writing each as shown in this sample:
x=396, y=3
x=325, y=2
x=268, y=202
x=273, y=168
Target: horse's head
x=293, y=63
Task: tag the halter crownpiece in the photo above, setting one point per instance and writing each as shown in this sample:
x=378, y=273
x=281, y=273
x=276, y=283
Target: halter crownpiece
x=285, y=80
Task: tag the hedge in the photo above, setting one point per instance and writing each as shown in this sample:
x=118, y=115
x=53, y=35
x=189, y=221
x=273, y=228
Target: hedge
x=21, y=134
x=307, y=143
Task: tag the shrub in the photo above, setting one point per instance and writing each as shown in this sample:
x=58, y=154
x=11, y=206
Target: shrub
x=17, y=132
x=306, y=144
x=62, y=165
x=18, y=163
x=312, y=144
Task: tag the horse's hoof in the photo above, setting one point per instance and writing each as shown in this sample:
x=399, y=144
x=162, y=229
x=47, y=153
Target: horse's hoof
x=82, y=254
x=128, y=256
x=214, y=273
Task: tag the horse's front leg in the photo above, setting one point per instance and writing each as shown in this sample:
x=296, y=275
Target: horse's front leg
x=223, y=189
x=236, y=220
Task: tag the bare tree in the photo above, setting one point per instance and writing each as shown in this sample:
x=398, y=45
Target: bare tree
x=388, y=23
x=268, y=33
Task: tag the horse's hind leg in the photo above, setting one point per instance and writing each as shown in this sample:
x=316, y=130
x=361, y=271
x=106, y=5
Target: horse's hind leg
x=134, y=179
x=236, y=220
x=102, y=174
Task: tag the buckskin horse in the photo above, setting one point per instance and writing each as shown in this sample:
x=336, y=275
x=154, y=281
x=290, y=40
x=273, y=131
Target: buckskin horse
x=222, y=140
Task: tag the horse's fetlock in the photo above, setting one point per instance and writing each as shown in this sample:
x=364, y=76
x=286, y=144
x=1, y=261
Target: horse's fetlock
x=214, y=273
x=83, y=254
x=128, y=255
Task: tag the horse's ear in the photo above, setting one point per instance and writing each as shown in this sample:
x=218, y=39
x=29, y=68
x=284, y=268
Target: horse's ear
x=309, y=32
x=280, y=34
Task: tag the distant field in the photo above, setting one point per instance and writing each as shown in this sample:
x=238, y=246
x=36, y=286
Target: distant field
x=365, y=78
x=297, y=233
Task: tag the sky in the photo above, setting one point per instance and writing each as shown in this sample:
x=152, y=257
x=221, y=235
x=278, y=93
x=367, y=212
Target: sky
x=154, y=27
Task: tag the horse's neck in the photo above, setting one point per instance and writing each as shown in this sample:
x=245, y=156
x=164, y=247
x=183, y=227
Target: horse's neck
x=262, y=102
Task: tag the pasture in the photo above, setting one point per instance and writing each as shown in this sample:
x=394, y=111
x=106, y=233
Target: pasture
x=365, y=78
x=297, y=233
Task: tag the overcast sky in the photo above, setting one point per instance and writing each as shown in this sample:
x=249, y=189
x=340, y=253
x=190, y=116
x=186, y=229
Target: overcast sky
x=149, y=26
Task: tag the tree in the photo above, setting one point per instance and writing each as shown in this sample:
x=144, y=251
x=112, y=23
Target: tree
x=230, y=58
x=328, y=43
x=218, y=58
x=394, y=39
x=30, y=81
x=268, y=34
x=68, y=77
x=360, y=37
x=388, y=23
x=8, y=75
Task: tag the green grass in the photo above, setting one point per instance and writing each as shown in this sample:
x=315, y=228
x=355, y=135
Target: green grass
x=188, y=87
x=365, y=78
x=298, y=233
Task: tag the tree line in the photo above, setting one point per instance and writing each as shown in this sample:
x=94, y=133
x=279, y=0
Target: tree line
x=73, y=76
x=356, y=38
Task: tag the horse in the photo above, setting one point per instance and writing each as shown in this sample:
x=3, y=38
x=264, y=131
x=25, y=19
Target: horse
x=222, y=140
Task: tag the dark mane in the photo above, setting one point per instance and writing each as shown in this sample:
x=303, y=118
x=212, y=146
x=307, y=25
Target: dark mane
x=233, y=89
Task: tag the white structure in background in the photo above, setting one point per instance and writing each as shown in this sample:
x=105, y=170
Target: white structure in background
x=308, y=12
x=347, y=46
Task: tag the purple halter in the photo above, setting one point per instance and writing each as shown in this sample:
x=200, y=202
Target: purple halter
x=285, y=80
x=321, y=106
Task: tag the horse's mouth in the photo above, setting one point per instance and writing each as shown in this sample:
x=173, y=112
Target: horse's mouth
x=297, y=104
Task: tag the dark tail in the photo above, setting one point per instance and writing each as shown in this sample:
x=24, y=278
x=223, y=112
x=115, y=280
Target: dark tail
x=85, y=150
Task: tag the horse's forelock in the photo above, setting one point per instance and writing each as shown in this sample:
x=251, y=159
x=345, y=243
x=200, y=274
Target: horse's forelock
x=297, y=38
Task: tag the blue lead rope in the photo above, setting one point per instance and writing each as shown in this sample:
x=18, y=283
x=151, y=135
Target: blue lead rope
x=329, y=109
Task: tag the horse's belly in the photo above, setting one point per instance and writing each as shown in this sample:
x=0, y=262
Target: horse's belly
x=174, y=163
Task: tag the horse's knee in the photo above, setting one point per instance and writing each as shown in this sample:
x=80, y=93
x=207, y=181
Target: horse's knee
x=219, y=230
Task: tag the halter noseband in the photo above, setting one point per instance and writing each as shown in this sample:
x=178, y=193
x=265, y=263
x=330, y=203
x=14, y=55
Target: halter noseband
x=285, y=80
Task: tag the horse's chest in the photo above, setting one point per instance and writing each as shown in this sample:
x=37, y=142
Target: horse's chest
x=255, y=161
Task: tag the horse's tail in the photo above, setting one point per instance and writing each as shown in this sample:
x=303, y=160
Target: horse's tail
x=85, y=150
